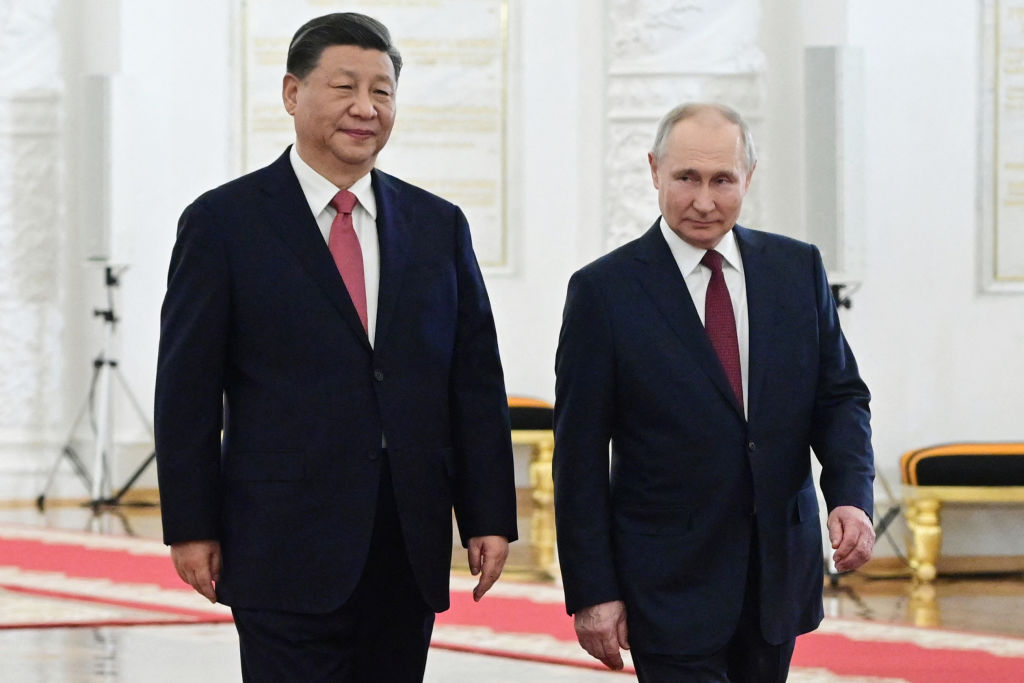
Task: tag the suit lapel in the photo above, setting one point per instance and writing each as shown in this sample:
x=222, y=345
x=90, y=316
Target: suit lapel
x=660, y=278
x=758, y=274
x=287, y=212
x=394, y=231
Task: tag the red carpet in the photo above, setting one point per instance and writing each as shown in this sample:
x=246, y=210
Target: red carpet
x=905, y=660
x=52, y=578
x=841, y=648
x=56, y=578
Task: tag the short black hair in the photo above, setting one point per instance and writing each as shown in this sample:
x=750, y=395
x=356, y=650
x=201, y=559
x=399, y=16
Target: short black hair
x=340, y=28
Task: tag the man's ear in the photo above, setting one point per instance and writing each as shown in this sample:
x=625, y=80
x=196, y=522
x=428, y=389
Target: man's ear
x=289, y=93
x=654, y=169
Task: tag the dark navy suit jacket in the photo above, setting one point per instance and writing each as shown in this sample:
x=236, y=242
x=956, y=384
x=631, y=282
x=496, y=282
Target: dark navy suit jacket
x=669, y=530
x=259, y=335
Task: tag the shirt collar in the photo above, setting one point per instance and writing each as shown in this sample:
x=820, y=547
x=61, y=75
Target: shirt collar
x=688, y=256
x=319, y=191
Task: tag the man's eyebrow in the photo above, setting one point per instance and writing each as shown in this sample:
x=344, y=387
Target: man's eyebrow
x=342, y=71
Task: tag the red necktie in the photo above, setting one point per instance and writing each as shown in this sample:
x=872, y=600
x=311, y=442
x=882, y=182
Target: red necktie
x=344, y=245
x=720, y=323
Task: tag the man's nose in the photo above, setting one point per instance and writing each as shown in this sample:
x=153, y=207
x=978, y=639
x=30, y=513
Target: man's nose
x=362, y=105
x=703, y=201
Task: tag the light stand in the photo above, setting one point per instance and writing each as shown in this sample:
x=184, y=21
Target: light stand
x=98, y=403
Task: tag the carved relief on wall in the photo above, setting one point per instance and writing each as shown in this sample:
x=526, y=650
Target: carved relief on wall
x=662, y=53
x=30, y=215
x=675, y=36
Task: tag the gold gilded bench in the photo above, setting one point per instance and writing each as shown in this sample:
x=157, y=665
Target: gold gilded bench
x=954, y=473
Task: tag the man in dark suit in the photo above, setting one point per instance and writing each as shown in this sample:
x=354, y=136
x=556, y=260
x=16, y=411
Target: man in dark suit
x=333, y=321
x=710, y=357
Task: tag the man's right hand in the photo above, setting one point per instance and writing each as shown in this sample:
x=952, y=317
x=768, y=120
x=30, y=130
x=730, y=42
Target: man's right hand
x=198, y=565
x=601, y=630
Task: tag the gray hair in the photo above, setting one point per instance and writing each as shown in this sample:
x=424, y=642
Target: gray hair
x=691, y=109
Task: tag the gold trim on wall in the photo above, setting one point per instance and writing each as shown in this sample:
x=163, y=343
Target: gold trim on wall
x=996, y=273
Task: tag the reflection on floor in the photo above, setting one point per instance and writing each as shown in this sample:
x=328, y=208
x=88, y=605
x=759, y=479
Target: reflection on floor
x=991, y=603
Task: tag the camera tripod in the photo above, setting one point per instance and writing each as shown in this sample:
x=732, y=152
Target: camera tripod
x=98, y=406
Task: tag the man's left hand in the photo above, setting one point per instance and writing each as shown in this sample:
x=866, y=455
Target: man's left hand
x=487, y=555
x=852, y=537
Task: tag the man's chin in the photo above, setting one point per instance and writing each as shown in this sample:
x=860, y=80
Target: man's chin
x=356, y=156
x=702, y=237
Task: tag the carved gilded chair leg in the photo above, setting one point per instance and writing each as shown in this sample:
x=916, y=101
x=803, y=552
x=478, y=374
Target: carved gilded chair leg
x=542, y=524
x=926, y=538
x=911, y=515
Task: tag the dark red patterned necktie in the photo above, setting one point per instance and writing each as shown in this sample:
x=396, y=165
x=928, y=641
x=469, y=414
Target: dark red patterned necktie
x=720, y=323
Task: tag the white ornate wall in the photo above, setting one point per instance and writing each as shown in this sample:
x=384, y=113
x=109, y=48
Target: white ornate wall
x=48, y=335
x=32, y=249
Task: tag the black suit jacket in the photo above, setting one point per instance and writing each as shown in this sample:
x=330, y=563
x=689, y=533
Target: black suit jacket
x=259, y=335
x=669, y=531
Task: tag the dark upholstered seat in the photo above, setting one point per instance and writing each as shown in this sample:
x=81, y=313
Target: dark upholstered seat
x=965, y=464
x=530, y=413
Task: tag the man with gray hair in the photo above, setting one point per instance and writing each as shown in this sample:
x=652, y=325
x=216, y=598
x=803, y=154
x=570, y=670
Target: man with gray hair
x=710, y=357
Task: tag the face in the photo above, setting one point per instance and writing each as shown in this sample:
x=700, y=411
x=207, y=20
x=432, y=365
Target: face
x=701, y=178
x=344, y=111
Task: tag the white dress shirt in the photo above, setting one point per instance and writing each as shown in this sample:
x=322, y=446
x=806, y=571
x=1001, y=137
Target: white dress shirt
x=319, y=192
x=697, y=276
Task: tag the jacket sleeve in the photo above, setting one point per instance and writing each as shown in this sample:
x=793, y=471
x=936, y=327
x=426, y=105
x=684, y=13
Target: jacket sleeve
x=188, y=411
x=584, y=402
x=485, y=495
x=840, y=432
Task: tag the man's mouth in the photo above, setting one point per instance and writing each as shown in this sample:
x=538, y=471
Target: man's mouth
x=358, y=133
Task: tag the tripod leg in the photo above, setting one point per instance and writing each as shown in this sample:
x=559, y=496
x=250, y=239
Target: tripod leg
x=100, y=481
x=134, y=401
x=116, y=500
x=76, y=463
x=68, y=452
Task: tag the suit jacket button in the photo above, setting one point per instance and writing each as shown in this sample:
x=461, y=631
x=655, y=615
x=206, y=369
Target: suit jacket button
x=378, y=375
x=751, y=446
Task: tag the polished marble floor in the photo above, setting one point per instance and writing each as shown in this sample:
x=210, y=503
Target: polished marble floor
x=209, y=654
x=988, y=603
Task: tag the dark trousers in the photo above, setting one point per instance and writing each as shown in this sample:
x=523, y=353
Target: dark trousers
x=746, y=658
x=381, y=634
